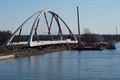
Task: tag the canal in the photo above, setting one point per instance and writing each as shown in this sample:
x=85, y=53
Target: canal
x=64, y=65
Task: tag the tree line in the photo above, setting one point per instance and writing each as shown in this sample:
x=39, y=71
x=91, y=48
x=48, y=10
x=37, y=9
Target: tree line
x=86, y=37
x=4, y=36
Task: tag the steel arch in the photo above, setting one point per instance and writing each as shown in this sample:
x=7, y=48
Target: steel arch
x=39, y=14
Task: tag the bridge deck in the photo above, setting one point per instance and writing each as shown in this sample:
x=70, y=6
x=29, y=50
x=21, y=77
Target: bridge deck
x=42, y=43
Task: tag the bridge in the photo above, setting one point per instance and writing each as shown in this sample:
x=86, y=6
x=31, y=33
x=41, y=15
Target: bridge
x=41, y=29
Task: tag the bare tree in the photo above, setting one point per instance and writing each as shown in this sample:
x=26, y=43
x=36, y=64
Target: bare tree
x=87, y=31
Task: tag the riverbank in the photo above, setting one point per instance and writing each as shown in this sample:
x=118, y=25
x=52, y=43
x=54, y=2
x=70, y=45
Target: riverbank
x=15, y=53
x=31, y=52
x=23, y=52
x=4, y=57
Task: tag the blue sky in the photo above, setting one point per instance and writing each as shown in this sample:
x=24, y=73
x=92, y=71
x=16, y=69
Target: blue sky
x=100, y=16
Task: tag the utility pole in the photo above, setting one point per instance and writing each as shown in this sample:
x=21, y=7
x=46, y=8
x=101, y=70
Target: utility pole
x=79, y=41
x=116, y=31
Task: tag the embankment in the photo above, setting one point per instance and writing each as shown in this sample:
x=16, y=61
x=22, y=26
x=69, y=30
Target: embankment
x=4, y=57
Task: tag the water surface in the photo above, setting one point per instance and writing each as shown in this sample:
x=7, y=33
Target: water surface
x=64, y=65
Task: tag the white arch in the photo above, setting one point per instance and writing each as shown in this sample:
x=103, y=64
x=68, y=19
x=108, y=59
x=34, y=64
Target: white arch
x=30, y=41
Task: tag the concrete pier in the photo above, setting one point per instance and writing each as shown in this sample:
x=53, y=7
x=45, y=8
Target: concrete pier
x=3, y=57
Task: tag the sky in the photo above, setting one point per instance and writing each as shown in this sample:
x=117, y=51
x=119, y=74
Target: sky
x=99, y=16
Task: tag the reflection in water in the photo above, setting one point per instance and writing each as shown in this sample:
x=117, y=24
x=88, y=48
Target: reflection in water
x=64, y=65
x=78, y=65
